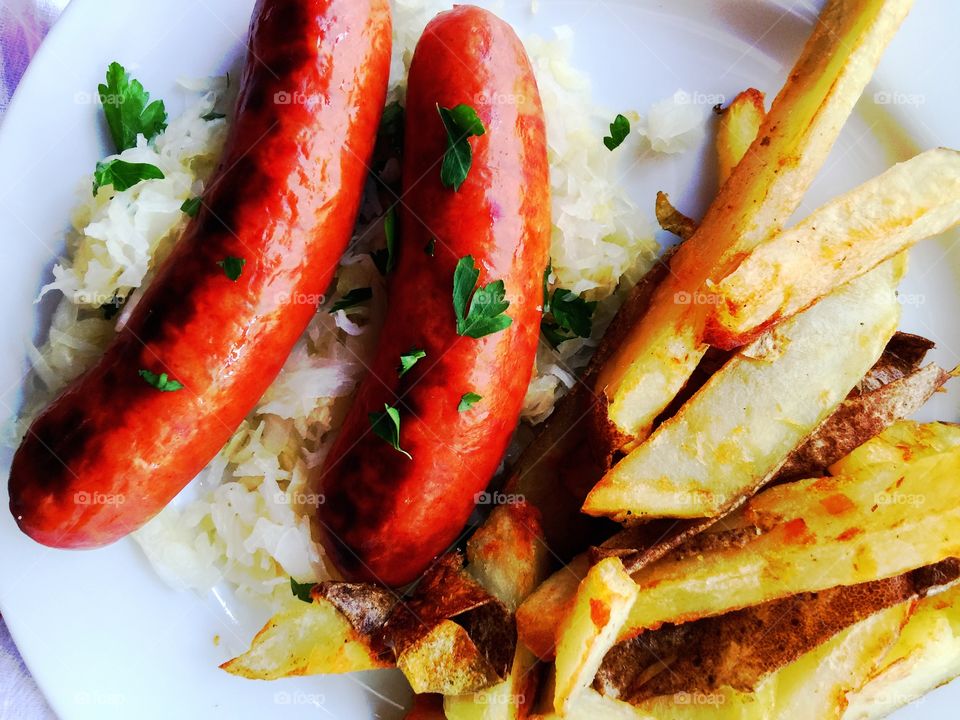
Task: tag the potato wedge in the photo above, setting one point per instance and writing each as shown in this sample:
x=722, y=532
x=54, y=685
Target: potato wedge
x=509, y=557
x=875, y=521
x=741, y=648
x=599, y=610
x=859, y=418
x=845, y=238
x=662, y=350
x=926, y=656
x=542, y=614
x=739, y=124
x=811, y=688
x=743, y=423
x=307, y=639
x=446, y=660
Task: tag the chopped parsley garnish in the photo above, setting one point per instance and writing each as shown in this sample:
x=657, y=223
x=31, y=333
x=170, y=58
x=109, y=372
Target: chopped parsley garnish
x=409, y=359
x=191, y=207
x=619, y=129
x=352, y=299
x=570, y=316
x=212, y=116
x=123, y=175
x=128, y=110
x=384, y=259
x=461, y=123
x=431, y=247
x=232, y=267
x=161, y=382
x=486, y=313
x=547, y=272
x=301, y=591
x=468, y=401
x=386, y=426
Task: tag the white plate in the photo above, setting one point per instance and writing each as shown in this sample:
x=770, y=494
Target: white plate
x=103, y=636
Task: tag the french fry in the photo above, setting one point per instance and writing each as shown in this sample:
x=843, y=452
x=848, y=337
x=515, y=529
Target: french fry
x=810, y=535
x=737, y=430
x=508, y=556
x=446, y=660
x=842, y=240
x=738, y=127
x=307, y=639
x=926, y=656
x=811, y=688
x=542, y=614
x=662, y=350
x=599, y=610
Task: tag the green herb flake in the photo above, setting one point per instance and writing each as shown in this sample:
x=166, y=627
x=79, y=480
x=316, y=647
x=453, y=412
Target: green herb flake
x=431, y=247
x=161, y=382
x=128, y=110
x=386, y=426
x=232, y=267
x=385, y=259
x=619, y=129
x=570, y=316
x=355, y=297
x=210, y=116
x=191, y=207
x=123, y=175
x=302, y=591
x=461, y=123
x=546, y=285
x=468, y=401
x=409, y=359
x=486, y=313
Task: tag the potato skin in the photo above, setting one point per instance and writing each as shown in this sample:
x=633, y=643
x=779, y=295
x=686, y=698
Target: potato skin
x=112, y=451
x=386, y=516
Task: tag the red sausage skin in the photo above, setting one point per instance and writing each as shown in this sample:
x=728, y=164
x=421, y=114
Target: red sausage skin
x=112, y=451
x=386, y=516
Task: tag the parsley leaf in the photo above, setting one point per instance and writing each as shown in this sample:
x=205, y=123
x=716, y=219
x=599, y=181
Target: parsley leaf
x=191, y=207
x=301, y=591
x=619, y=129
x=128, y=110
x=123, y=175
x=546, y=285
x=212, y=116
x=409, y=359
x=384, y=259
x=572, y=316
x=468, y=401
x=461, y=123
x=352, y=299
x=161, y=382
x=486, y=309
x=386, y=426
x=232, y=267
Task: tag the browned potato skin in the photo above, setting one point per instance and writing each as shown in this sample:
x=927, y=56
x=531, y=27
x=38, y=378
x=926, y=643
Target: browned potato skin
x=741, y=648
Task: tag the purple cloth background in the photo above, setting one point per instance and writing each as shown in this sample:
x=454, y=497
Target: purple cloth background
x=23, y=24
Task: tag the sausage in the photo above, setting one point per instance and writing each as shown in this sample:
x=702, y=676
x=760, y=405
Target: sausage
x=386, y=516
x=113, y=450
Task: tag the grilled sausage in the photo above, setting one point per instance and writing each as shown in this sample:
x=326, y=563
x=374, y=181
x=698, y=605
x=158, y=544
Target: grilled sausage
x=113, y=450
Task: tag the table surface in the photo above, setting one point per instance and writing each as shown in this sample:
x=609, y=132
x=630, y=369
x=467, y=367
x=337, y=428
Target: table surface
x=23, y=24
